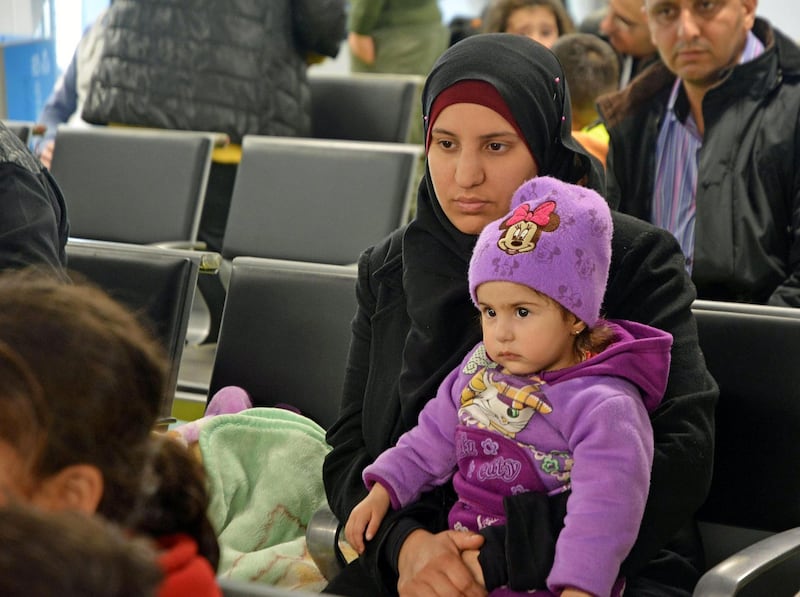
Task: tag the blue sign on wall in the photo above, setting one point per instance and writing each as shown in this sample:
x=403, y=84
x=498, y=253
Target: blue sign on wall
x=29, y=73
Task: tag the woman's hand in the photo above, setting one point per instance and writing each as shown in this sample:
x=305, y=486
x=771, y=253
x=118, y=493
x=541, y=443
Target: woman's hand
x=470, y=559
x=362, y=47
x=431, y=565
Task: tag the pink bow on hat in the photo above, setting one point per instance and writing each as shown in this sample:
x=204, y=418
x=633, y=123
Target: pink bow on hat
x=539, y=216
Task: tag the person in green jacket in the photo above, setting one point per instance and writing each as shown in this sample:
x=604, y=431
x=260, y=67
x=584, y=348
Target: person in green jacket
x=395, y=36
x=398, y=37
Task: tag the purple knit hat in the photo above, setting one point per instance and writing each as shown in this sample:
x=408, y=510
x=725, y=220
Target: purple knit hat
x=556, y=240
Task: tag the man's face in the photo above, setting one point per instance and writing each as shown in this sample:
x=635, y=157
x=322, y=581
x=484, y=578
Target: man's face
x=699, y=39
x=626, y=28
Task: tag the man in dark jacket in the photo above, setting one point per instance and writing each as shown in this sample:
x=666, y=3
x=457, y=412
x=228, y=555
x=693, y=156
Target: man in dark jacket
x=704, y=144
x=33, y=217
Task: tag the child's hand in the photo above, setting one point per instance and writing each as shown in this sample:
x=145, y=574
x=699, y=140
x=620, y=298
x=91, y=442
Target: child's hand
x=366, y=517
x=470, y=558
x=570, y=592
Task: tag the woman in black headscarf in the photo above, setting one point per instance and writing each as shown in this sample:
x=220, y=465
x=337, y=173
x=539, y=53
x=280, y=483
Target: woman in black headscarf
x=496, y=114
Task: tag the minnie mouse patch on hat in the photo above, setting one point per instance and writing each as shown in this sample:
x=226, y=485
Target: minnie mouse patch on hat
x=556, y=240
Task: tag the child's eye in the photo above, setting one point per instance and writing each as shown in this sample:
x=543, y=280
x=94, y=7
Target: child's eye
x=522, y=312
x=489, y=312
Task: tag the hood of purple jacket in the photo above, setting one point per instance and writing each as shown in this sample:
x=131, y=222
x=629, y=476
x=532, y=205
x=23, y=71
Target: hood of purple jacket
x=639, y=354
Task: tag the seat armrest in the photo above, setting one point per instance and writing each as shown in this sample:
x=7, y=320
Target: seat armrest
x=182, y=245
x=734, y=573
x=209, y=261
x=322, y=540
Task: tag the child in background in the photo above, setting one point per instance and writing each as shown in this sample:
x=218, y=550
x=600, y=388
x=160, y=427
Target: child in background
x=541, y=20
x=553, y=403
x=591, y=68
x=81, y=387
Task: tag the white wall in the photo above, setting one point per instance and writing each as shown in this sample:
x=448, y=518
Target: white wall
x=20, y=17
x=784, y=14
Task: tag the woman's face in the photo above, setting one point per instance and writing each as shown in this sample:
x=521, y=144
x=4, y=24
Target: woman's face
x=476, y=161
x=537, y=22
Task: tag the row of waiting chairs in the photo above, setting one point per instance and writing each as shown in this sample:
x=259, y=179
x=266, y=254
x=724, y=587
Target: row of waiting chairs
x=301, y=199
x=158, y=284
x=273, y=318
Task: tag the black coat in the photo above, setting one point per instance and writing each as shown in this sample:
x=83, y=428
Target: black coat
x=747, y=226
x=648, y=284
x=33, y=216
x=232, y=67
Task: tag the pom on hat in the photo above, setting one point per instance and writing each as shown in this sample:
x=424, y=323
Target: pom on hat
x=556, y=239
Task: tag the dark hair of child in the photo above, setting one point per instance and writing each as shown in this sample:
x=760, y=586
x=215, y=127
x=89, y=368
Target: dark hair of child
x=591, y=68
x=83, y=383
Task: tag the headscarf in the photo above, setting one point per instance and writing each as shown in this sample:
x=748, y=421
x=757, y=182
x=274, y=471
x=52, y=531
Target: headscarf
x=444, y=323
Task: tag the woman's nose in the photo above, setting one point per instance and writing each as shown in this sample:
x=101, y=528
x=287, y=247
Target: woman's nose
x=469, y=170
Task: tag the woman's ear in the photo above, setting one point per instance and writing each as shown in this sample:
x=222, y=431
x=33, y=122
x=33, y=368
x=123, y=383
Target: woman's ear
x=78, y=487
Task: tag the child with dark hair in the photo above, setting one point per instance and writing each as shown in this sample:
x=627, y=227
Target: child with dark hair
x=591, y=68
x=72, y=555
x=81, y=386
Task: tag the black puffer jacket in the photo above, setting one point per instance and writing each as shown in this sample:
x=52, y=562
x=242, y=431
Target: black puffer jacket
x=747, y=224
x=234, y=66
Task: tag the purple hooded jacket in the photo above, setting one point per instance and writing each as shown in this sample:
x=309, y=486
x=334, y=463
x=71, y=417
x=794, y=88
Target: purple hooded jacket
x=584, y=428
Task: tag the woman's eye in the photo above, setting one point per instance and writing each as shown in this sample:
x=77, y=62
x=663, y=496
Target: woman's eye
x=445, y=144
x=496, y=146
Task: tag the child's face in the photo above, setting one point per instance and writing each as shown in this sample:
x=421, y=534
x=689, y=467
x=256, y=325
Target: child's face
x=524, y=331
x=537, y=22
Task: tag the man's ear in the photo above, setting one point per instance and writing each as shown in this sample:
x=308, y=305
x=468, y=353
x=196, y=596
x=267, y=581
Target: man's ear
x=78, y=487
